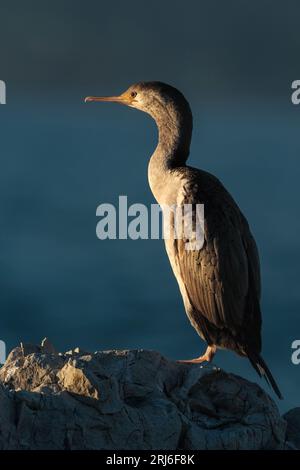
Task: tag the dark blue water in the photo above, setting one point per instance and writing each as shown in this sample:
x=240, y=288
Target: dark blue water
x=59, y=161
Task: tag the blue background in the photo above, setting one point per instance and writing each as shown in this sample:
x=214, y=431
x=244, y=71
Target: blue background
x=235, y=62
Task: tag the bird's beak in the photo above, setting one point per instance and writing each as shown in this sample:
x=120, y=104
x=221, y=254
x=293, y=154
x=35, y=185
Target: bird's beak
x=125, y=98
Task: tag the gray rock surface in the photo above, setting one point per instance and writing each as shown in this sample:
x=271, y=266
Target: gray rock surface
x=129, y=400
x=292, y=418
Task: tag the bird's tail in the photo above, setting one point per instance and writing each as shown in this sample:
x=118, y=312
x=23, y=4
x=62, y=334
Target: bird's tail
x=263, y=371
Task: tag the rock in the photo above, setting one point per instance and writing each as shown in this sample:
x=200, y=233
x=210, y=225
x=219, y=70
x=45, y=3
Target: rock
x=47, y=346
x=292, y=418
x=129, y=400
x=29, y=348
x=77, y=381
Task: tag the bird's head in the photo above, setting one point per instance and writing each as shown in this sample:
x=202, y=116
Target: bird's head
x=168, y=107
x=154, y=98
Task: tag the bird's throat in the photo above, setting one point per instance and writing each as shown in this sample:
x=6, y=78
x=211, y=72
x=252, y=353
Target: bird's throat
x=174, y=137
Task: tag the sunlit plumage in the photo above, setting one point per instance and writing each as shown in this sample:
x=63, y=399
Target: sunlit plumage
x=220, y=282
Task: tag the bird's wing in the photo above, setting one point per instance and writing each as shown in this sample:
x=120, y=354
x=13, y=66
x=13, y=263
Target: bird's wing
x=217, y=276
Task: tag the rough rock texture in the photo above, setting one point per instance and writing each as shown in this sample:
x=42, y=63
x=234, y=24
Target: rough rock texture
x=129, y=400
x=293, y=428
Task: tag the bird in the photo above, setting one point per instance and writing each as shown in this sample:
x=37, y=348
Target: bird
x=220, y=280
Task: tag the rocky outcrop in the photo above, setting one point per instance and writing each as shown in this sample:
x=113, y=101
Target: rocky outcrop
x=129, y=400
x=292, y=418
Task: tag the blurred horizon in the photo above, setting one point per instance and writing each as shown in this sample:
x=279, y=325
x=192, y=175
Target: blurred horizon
x=228, y=49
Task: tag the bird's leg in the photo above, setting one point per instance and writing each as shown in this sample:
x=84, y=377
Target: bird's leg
x=207, y=356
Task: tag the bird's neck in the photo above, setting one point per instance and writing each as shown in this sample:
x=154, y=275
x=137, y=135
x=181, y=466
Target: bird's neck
x=172, y=151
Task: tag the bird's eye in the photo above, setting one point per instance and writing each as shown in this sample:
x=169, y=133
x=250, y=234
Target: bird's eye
x=133, y=94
